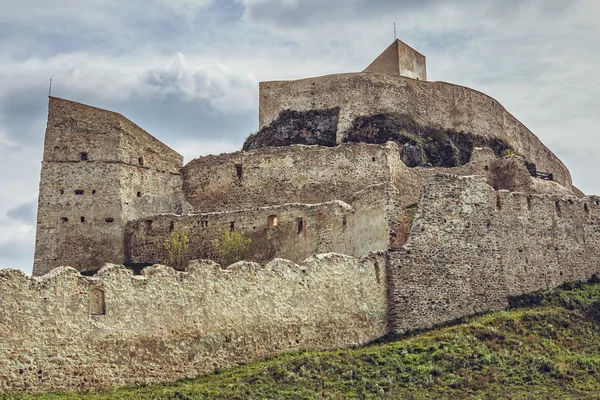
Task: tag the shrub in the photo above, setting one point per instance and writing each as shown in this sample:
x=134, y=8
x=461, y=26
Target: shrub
x=233, y=247
x=177, y=246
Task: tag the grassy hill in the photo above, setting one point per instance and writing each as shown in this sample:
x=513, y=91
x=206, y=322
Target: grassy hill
x=547, y=346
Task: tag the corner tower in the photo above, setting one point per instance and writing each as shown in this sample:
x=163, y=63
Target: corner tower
x=99, y=170
x=400, y=59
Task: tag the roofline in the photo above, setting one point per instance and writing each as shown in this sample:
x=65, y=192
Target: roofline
x=410, y=47
x=119, y=115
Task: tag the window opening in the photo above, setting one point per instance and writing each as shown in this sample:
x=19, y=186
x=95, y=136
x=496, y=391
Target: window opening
x=141, y=161
x=239, y=171
x=84, y=156
x=79, y=192
x=65, y=219
x=97, y=302
x=109, y=220
x=139, y=194
x=300, y=225
x=231, y=226
x=82, y=219
x=272, y=221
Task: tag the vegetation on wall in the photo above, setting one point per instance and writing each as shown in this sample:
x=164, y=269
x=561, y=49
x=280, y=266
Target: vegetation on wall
x=546, y=347
x=233, y=247
x=177, y=246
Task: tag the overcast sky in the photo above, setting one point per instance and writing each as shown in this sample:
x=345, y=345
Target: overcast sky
x=187, y=71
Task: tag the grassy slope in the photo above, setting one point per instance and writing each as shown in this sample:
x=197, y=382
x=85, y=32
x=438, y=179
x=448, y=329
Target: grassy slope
x=549, y=347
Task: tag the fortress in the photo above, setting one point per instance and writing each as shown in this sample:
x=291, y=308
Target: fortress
x=377, y=203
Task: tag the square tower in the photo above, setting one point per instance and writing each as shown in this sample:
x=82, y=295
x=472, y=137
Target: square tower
x=400, y=59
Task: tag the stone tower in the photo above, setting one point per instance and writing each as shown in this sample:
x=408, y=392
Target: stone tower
x=99, y=170
x=400, y=59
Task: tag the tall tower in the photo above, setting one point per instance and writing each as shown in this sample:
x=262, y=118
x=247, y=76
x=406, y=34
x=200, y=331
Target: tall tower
x=99, y=170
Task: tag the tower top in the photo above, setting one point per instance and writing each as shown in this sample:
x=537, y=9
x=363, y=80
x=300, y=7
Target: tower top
x=400, y=59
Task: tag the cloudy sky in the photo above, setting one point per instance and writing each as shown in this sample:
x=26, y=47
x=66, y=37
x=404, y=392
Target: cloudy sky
x=188, y=70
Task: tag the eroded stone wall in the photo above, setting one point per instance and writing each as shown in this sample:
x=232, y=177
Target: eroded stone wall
x=99, y=171
x=63, y=331
x=436, y=104
x=281, y=175
x=290, y=231
x=471, y=248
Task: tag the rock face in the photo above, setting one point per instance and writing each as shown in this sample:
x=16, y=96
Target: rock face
x=316, y=127
x=420, y=145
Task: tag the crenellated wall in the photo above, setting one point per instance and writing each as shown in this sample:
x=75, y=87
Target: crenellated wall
x=64, y=331
x=470, y=248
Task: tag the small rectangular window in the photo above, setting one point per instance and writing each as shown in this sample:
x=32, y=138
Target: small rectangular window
x=109, y=220
x=84, y=156
x=300, y=225
x=65, y=219
x=231, y=226
x=79, y=192
x=82, y=219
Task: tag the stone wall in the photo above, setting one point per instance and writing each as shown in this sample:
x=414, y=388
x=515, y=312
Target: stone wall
x=291, y=231
x=63, y=331
x=281, y=175
x=429, y=103
x=99, y=171
x=471, y=248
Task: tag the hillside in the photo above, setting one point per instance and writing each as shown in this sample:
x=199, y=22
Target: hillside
x=546, y=346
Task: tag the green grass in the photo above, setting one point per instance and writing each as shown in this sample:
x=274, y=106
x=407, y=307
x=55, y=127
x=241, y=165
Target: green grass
x=546, y=347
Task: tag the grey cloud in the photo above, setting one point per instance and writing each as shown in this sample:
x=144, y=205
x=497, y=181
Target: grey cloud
x=25, y=213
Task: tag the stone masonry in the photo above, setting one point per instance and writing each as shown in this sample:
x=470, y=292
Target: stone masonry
x=376, y=204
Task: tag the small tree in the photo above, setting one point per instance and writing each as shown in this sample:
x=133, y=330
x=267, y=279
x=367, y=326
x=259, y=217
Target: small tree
x=233, y=247
x=177, y=246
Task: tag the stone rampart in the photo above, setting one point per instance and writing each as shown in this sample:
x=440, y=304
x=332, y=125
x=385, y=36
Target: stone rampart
x=429, y=103
x=290, y=231
x=470, y=248
x=67, y=331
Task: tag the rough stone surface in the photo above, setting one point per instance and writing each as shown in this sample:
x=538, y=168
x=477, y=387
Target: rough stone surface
x=64, y=331
x=470, y=248
x=435, y=104
x=291, y=231
x=99, y=171
x=313, y=127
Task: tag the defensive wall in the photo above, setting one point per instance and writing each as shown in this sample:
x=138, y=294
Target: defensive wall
x=291, y=231
x=67, y=331
x=429, y=103
x=99, y=170
x=470, y=249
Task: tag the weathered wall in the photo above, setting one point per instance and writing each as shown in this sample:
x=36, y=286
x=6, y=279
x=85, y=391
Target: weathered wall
x=281, y=175
x=430, y=103
x=84, y=202
x=367, y=224
x=400, y=59
x=471, y=248
x=172, y=325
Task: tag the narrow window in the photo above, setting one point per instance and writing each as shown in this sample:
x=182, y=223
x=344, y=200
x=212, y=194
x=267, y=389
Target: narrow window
x=272, y=221
x=171, y=226
x=93, y=192
x=239, y=171
x=141, y=161
x=97, y=302
x=231, y=226
x=62, y=191
x=82, y=219
x=139, y=194
x=84, y=157
x=65, y=219
x=300, y=225
x=529, y=203
x=79, y=192
x=498, y=203
x=109, y=220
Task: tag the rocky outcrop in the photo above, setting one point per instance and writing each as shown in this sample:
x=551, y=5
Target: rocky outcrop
x=314, y=127
x=420, y=145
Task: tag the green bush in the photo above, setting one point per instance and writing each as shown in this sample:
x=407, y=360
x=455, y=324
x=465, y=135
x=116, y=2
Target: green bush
x=177, y=246
x=233, y=247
